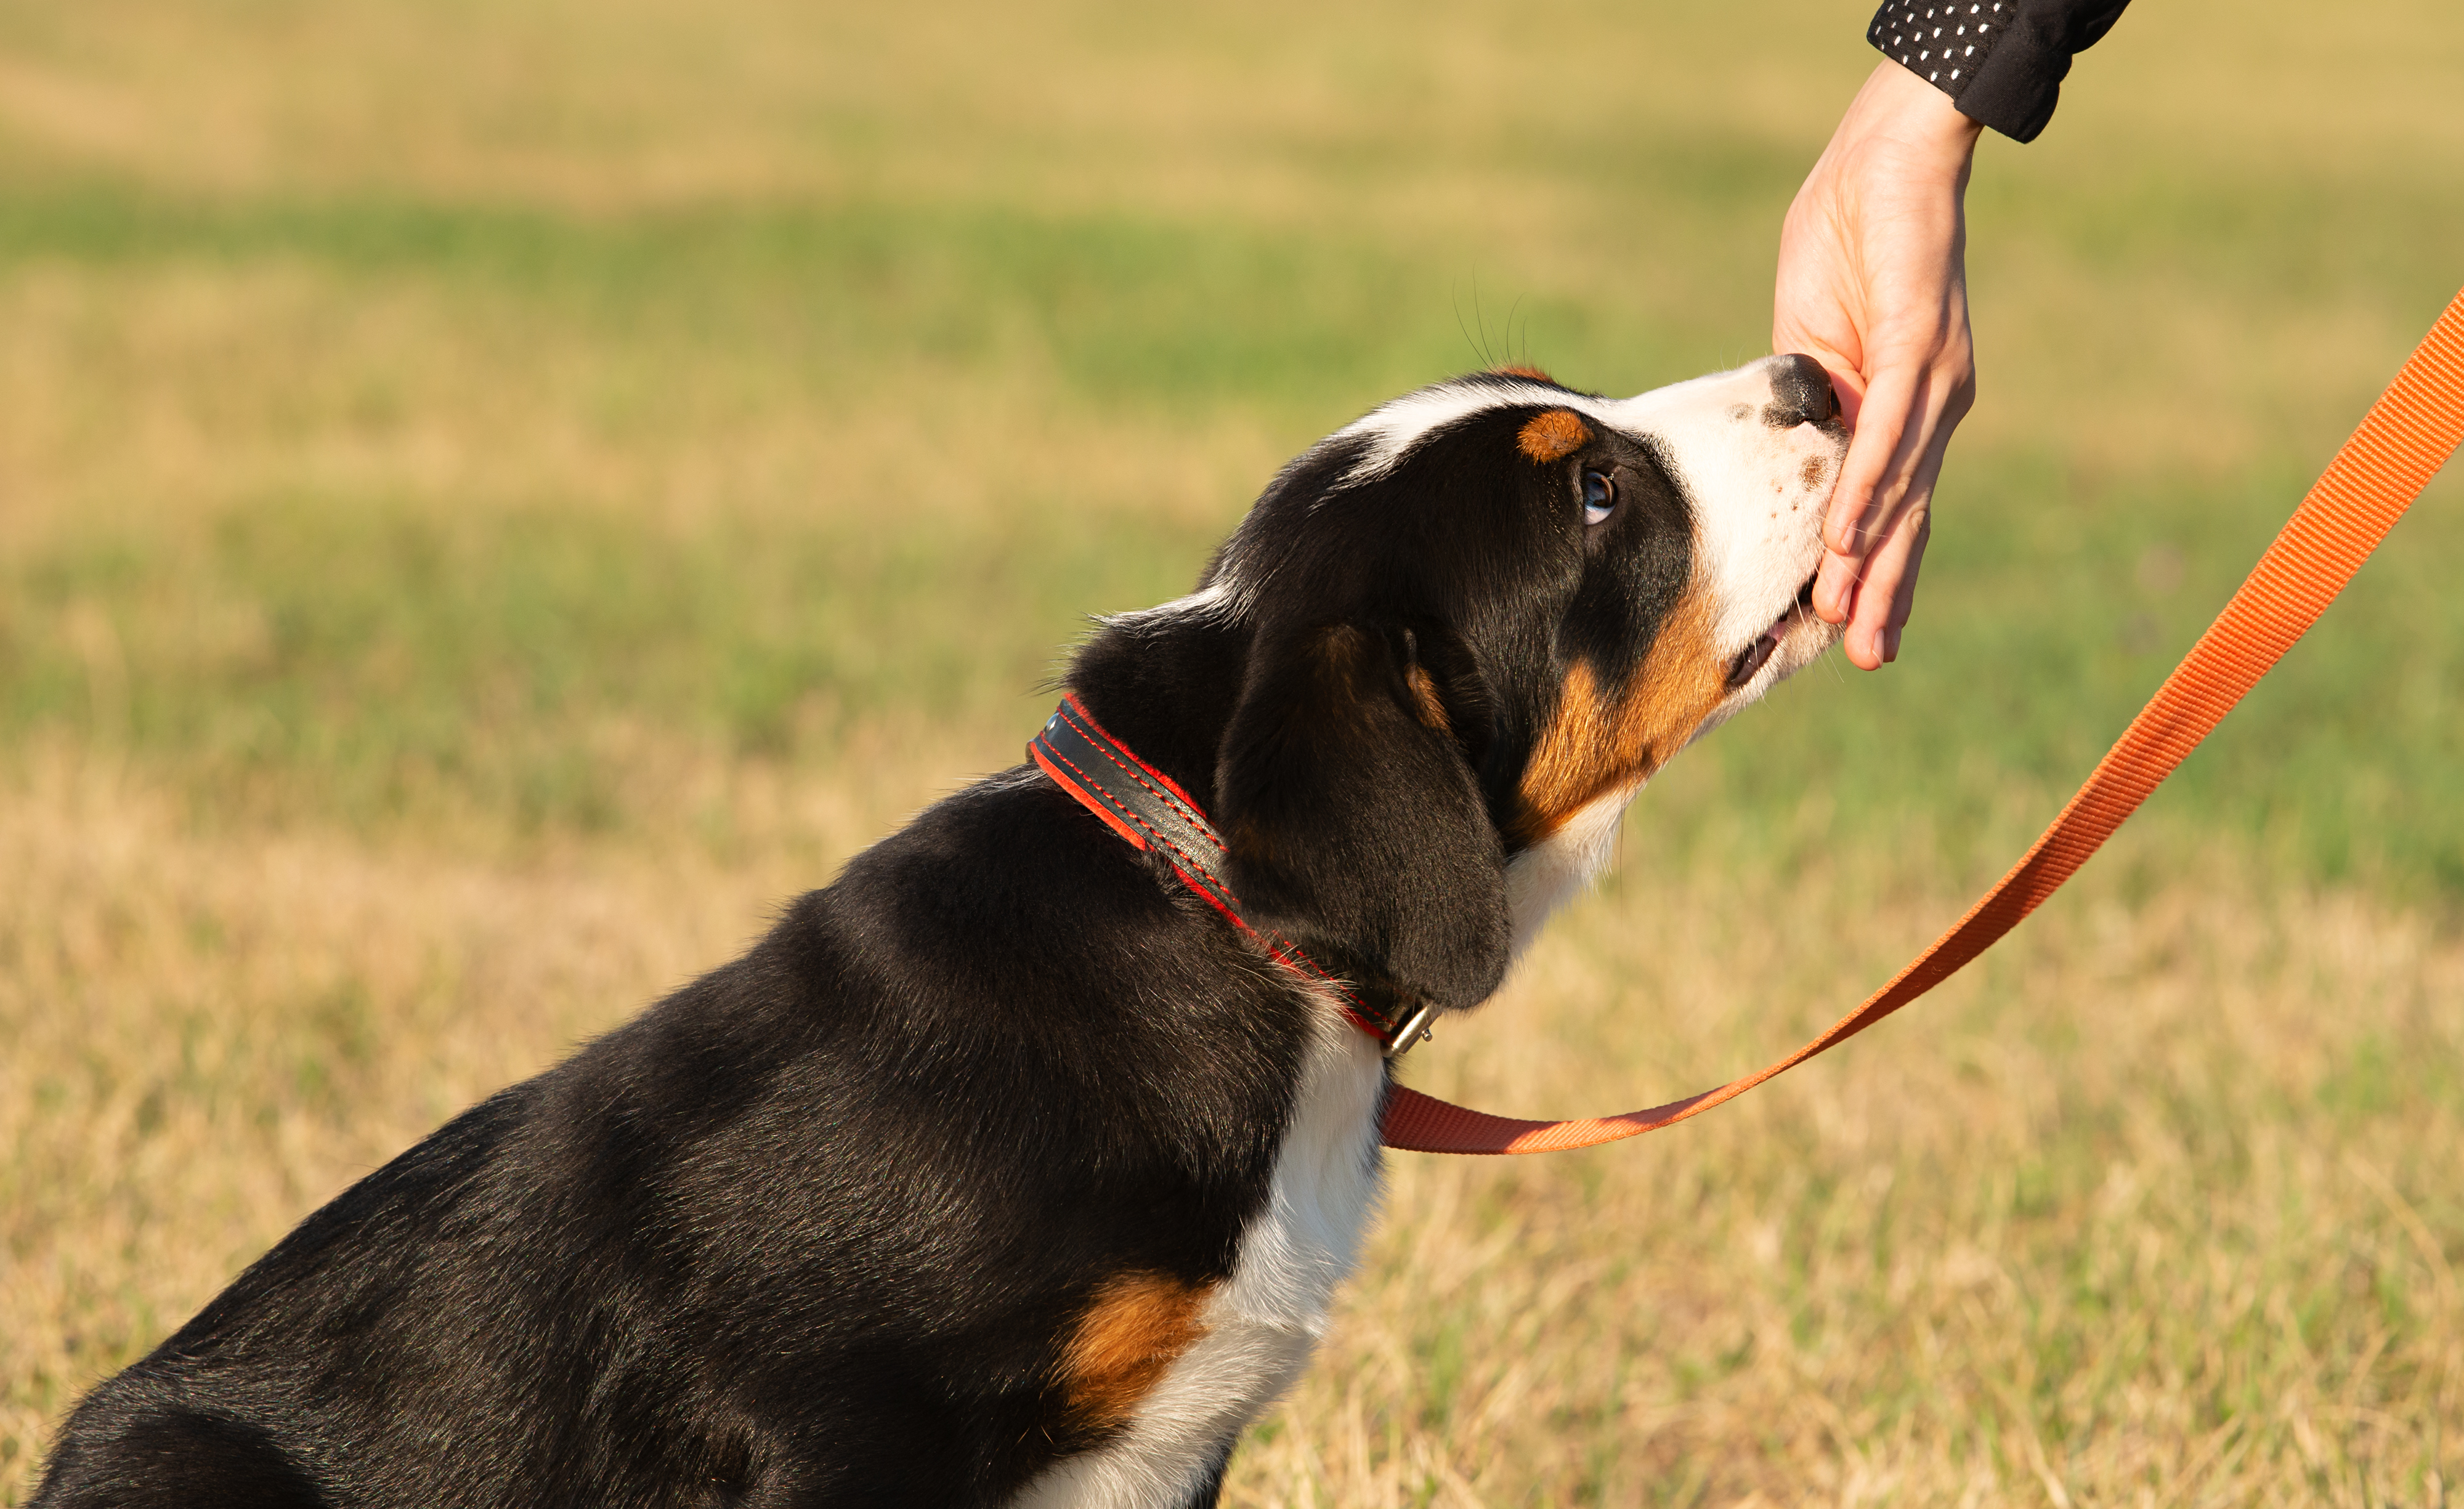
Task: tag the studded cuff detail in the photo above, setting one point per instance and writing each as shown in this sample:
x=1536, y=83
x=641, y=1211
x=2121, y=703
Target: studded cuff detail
x=2001, y=61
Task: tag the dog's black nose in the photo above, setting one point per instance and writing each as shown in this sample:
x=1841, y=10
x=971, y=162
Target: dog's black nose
x=1800, y=394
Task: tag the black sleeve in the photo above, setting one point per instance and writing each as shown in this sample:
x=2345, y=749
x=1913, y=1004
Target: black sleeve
x=2001, y=61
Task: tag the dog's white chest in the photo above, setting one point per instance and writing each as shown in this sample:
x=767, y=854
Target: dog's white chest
x=1262, y=1326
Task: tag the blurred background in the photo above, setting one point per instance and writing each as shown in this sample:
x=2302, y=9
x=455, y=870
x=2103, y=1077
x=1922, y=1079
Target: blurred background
x=495, y=496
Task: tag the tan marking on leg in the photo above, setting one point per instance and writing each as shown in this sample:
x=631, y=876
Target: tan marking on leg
x=1425, y=700
x=1138, y=1326
x=1553, y=437
x=1593, y=743
x=1533, y=373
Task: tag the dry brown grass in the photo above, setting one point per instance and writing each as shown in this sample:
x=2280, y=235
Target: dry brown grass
x=2106, y=1226
x=210, y=1037
x=2137, y=1216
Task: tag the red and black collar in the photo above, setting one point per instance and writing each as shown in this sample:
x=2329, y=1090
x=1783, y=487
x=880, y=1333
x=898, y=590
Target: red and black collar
x=1149, y=809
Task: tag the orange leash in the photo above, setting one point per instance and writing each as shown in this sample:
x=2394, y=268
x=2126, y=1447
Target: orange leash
x=2407, y=436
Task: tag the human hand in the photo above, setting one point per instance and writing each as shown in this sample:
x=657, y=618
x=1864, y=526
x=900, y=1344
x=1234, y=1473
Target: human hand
x=1873, y=284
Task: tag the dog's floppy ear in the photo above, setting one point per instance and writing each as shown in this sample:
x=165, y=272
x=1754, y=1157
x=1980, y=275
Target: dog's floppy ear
x=1353, y=823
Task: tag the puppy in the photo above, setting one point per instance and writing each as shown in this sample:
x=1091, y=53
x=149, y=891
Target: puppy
x=1020, y=1166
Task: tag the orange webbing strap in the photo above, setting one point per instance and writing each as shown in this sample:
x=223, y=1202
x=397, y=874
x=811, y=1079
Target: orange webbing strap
x=2403, y=441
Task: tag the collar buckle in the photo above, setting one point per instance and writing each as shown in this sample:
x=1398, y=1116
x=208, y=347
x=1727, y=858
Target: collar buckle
x=1410, y=1031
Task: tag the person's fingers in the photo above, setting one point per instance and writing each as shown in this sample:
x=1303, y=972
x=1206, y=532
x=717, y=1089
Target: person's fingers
x=1904, y=602
x=1890, y=403
x=1902, y=592
x=1877, y=588
x=1887, y=591
x=1897, y=428
x=1834, y=587
x=1859, y=584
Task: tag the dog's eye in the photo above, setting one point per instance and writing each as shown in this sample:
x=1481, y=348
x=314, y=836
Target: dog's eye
x=1599, y=497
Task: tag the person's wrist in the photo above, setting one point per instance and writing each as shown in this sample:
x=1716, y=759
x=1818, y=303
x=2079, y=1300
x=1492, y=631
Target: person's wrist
x=1896, y=102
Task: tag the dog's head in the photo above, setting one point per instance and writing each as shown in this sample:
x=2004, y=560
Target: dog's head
x=1478, y=619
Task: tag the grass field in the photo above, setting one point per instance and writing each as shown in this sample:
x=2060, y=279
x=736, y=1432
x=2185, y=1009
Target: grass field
x=495, y=497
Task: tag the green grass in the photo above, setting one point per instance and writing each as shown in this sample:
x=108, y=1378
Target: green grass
x=1121, y=306
x=337, y=654
x=2043, y=627
x=339, y=658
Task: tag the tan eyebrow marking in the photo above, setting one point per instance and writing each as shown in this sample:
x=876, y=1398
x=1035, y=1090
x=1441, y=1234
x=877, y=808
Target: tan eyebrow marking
x=1533, y=373
x=1425, y=700
x=1553, y=437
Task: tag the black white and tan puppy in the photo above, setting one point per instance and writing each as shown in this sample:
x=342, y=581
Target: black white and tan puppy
x=1006, y=1171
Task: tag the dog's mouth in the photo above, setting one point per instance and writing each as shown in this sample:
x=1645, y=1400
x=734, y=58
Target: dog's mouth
x=1742, y=670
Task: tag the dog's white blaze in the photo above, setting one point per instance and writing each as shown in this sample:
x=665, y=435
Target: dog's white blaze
x=1262, y=1326
x=1546, y=876
x=1395, y=427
